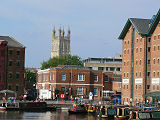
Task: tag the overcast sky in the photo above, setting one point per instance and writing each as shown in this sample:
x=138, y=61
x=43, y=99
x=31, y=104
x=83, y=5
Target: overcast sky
x=95, y=24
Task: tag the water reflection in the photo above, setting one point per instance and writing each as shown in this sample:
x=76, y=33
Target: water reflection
x=57, y=115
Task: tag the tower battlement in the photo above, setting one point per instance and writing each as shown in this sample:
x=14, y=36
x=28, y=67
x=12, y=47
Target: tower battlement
x=60, y=42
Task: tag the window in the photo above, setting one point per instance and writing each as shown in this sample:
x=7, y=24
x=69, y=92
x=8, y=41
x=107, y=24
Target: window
x=158, y=74
x=107, y=68
x=118, y=69
x=148, y=86
x=154, y=48
x=154, y=60
x=95, y=78
x=137, y=40
x=154, y=73
x=80, y=77
x=9, y=87
x=140, y=49
x=139, y=74
x=124, y=74
x=63, y=76
x=100, y=68
x=80, y=91
x=10, y=52
x=136, y=86
x=149, y=49
x=124, y=42
x=158, y=60
x=119, y=85
x=124, y=87
x=136, y=74
x=128, y=41
x=128, y=51
x=148, y=73
x=124, y=63
x=139, y=86
x=18, y=52
x=127, y=74
x=136, y=50
x=106, y=79
x=157, y=87
x=149, y=61
x=154, y=37
x=16, y=87
x=10, y=75
x=17, y=63
x=140, y=62
x=17, y=75
x=140, y=39
x=153, y=87
x=124, y=51
x=136, y=62
x=10, y=63
x=158, y=36
x=149, y=39
x=112, y=68
x=95, y=91
x=158, y=47
x=53, y=76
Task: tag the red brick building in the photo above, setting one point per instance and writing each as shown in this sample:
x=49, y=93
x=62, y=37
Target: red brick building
x=76, y=81
x=141, y=54
x=12, y=55
x=111, y=85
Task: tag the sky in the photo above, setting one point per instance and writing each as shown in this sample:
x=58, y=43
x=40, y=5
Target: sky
x=95, y=24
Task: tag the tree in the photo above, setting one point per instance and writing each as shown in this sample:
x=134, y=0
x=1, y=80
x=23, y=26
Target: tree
x=30, y=76
x=62, y=60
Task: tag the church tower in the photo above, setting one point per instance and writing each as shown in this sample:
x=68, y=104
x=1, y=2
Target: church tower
x=60, y=43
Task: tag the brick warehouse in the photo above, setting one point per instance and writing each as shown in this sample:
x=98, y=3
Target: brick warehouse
x=11, y=65
x=141, y=54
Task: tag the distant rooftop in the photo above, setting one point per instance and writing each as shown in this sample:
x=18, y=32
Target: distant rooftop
x=11, y=41
x=115, y=59
x=72, y=67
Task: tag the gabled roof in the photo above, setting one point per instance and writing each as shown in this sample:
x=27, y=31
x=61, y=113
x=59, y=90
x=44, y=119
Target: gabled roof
x=154, y=24
x=11, y=41
x=141, y=25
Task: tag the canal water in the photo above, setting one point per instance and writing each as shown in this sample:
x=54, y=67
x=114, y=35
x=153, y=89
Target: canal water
x=55, y=115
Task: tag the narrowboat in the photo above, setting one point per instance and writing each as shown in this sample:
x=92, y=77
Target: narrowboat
x=91, y=109
x=122, y=113
x=147, y=114
x=75, y=109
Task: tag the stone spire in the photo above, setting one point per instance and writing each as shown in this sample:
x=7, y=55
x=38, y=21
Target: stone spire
x=59, y=32
x=63, y=32
x=68, y=33
x=53, y=32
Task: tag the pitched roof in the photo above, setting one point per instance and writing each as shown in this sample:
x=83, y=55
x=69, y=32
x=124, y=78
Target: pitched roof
x=11, y=41
x=154, y=24
x=141, y=25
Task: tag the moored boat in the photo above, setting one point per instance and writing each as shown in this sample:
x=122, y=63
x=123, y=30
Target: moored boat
x=122, y=113
x=75, y=109
x=2, y=108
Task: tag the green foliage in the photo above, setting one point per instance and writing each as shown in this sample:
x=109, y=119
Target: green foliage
x=30, y=76
x=62, y=60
